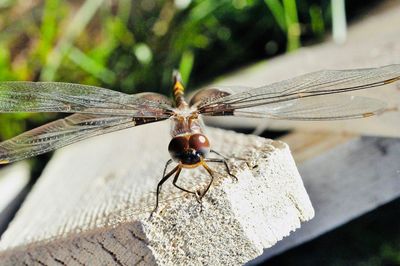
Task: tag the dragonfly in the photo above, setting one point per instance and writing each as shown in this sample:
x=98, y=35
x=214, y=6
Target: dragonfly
x=96, y=111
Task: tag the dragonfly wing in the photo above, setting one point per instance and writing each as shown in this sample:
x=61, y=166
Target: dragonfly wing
x=63, y=132
x=309, y=85
x=334, y=107
x=21, y=96
x=207, y=95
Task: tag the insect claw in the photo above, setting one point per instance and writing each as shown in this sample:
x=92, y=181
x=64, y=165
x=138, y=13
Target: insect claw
x=234, y=178
x=199, y=196
x=151, y=214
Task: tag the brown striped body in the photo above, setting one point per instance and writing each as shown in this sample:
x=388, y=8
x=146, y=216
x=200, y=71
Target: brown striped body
x=189, y=146
x=178, y=90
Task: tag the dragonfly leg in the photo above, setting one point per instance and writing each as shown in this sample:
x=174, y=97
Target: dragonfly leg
x=199, y=199
x=224, y=161
x=225, y=157
x=179, y=187
x=201, y=195
x=219, y=154
x=162, y=181
x=166, y=166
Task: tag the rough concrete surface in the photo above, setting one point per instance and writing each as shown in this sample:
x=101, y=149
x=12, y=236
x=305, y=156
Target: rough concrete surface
x=92, y=204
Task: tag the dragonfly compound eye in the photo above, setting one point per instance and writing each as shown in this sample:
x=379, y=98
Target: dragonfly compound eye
x=177, y=147
x=200, y=144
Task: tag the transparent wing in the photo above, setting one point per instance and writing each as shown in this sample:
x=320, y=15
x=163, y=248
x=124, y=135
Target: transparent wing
x=317, y=108
x=303, y=87
x=63, y=132
x=20, y=96
x=214, y=93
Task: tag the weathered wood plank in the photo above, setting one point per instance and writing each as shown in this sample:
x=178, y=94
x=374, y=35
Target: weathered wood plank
x=92, y=204
x=347, y=181
x=305, y=145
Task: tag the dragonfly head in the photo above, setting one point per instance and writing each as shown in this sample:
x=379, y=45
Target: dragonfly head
x=189, y=149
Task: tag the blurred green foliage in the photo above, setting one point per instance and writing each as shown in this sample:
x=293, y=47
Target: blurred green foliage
x=132, y=46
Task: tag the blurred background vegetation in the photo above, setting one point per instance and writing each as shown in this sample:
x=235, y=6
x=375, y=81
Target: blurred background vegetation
x=132, y=46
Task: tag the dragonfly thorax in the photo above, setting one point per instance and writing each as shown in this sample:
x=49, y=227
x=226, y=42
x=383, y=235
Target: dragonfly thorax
x=189, y=149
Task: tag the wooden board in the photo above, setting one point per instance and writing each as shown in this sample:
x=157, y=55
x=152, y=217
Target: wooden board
x=345, y=182
x=305, y=145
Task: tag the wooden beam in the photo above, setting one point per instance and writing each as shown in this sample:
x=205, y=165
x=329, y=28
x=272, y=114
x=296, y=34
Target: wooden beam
x=306, y=145
x=92, y=204
x=345, y=182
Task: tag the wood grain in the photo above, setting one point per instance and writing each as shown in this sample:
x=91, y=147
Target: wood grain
x=345, y=182
x=305, y=145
